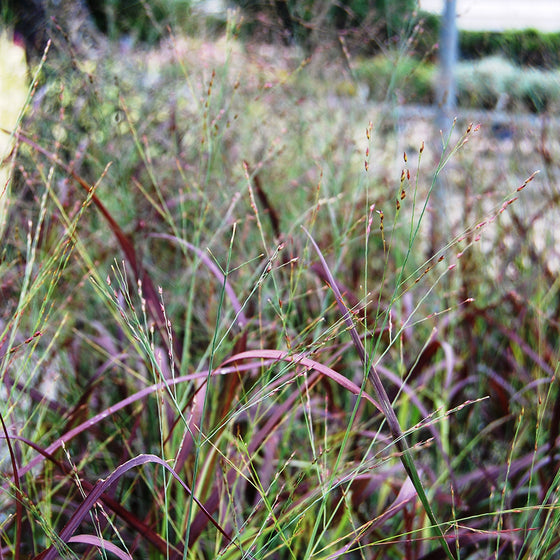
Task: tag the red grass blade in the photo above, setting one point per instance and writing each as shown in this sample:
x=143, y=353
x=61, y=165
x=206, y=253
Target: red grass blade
x=57, y=444
x=102, y=485
x=406, y=494
x=259, y=438
x=280, y=355
x=15, y=474
x=132, y=520
x=102, y=544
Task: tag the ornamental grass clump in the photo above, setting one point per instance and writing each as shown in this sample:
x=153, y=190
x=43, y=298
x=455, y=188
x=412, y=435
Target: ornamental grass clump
x=228, y=331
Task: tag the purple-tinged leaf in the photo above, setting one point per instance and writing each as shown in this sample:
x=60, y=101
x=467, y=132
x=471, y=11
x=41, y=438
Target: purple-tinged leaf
x=15, y=474
x=103, y=485
x=275, y=419
x=149, y=291
x=281, y=355
x=132, y=520
x=143, y=393
x=102, y=544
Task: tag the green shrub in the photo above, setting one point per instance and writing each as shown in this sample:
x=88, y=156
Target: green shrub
x=538, y=90
x=526, y=47
x=366, y=24
x=478, y=44
x=403, y=77
x=483, y=83
x=146, y=21
x=532, y=48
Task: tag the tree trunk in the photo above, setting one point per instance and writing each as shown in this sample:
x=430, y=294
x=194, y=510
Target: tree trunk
x=67, y=24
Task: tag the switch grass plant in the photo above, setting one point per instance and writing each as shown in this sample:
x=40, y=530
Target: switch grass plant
x=225, y=332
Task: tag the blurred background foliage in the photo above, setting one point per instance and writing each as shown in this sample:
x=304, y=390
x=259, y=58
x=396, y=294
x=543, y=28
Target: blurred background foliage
x=368, y=26
x=389, y=47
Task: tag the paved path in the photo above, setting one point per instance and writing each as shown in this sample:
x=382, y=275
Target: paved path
x=430, y=112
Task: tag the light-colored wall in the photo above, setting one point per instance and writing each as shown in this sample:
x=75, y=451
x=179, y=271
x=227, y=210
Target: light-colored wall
x=498, y=15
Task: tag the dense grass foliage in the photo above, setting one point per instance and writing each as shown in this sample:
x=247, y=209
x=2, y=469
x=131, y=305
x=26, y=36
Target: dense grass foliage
x=248, y=316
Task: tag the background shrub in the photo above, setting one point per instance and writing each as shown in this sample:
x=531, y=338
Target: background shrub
x=538, y=90
x=524, y=47
x=482, y=83
x=146, y=21
x=402, y=77
x=366, y=25
x=485, y=82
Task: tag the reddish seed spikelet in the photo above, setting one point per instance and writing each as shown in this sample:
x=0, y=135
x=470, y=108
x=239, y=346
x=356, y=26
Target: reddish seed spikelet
x=528, y=180
x=370, y=219
x=421, y=147
x=506, y=204
x=405, y=157
x=35, y=335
